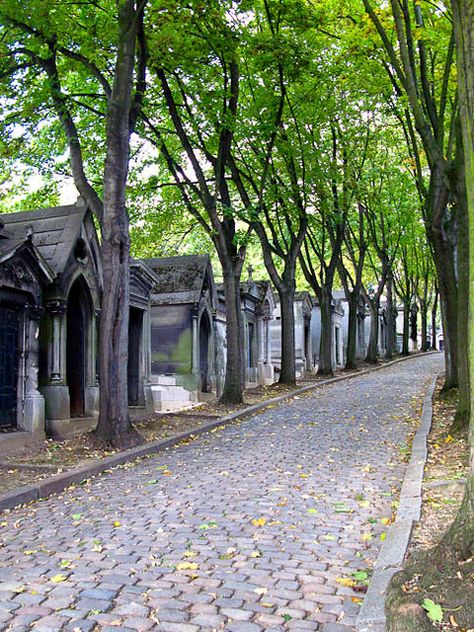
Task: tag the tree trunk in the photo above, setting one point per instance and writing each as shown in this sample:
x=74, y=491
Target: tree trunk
x=114, y=423
x=434, y=312
x=372, y=349
x=288, y=360
x=444, y=262
x=462, y=532
x=326, y=339
x=461, y=419
x=234, y=373
x=424, y=325
x=390, y=350
x=406, y=328
x=353, y=302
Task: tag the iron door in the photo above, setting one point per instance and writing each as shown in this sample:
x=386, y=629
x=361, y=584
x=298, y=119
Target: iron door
x=9, y=331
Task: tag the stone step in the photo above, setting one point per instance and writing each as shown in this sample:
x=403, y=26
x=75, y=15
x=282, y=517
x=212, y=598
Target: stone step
x=164, y=380
x=170, y=394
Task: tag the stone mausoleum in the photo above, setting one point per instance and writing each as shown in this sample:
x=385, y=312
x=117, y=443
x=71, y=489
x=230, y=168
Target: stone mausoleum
x=50, y=299
x=183, y=349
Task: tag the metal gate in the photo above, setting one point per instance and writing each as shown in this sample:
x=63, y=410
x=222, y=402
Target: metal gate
x=9, y=331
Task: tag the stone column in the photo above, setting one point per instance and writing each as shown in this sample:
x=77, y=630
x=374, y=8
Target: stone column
x=56, y=308
x=95, y=347
x=56, y=392
x=34, y=401
x=195, y=349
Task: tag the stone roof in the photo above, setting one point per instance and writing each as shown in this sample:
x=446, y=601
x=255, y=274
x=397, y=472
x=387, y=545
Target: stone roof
x=180, y=279
x=53, y=232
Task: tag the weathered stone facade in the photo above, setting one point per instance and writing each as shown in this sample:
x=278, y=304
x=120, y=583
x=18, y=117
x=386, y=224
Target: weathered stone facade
x=183, y=348
x=303, y=306
x=23, y=276
x=50, y=261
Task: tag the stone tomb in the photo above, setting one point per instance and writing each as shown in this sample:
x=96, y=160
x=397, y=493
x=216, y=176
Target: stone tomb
x=66, y=239
x=257, y=305
x=183, y=349
x=339, y=328
x=303, y=306
x=61, y=254
x=23, y=276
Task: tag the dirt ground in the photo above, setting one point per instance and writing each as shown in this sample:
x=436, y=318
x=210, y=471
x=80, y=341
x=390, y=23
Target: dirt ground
x=435, y=578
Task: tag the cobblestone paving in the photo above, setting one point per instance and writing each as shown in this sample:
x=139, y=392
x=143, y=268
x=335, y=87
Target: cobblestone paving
x=248, y=528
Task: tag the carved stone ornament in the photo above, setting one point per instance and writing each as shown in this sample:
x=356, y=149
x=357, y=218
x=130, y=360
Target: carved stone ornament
x=17, y=274
x=56, y=306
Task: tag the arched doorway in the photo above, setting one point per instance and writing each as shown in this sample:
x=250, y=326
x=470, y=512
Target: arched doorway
x=135, y=334
x=307, y=353
x=204, y=339
x=9, y=335
x=77, y=316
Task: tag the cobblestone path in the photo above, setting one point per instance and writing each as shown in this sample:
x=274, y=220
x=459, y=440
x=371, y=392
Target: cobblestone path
x=248, y=528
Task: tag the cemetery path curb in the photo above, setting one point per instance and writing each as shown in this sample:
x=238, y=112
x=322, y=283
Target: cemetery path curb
x=371, y=616
x=59, y=482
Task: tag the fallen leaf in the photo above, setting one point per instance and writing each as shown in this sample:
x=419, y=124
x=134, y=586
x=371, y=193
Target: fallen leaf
x=346, y=581
x=259, y=522
x=433, y=610
x=187, y=566
x=255, y=554
x=58, y=579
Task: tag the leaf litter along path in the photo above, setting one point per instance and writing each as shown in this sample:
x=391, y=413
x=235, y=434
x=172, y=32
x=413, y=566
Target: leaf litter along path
x=270, y=524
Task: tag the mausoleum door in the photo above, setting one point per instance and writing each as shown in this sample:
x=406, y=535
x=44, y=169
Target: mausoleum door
x=76, y=348
x=135, y=334
x=9, y=334
x=204, y=336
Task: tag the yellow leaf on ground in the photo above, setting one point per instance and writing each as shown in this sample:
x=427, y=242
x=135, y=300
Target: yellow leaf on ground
x=187, y=566
x=189, y=554
x=356, y=599
x=366, y=537
x=255, y=554
x=259, y=522
x=264, y=604
x=116, y=523
x=346, y=581
x=57, y=579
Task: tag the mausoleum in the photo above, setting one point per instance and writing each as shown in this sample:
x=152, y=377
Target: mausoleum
x=182, y=331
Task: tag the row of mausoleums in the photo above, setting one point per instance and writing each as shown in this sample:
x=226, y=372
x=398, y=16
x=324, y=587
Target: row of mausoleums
x=50, y=300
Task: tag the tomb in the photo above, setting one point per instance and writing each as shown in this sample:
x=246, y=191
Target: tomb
x=140, y=397
x=303, y=306
x=257, y=305
x=50, y=300
x=66, y=239
x=23, y=276
x=183, y=346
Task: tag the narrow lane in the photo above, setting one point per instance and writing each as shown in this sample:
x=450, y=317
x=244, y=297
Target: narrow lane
x=258, y=526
